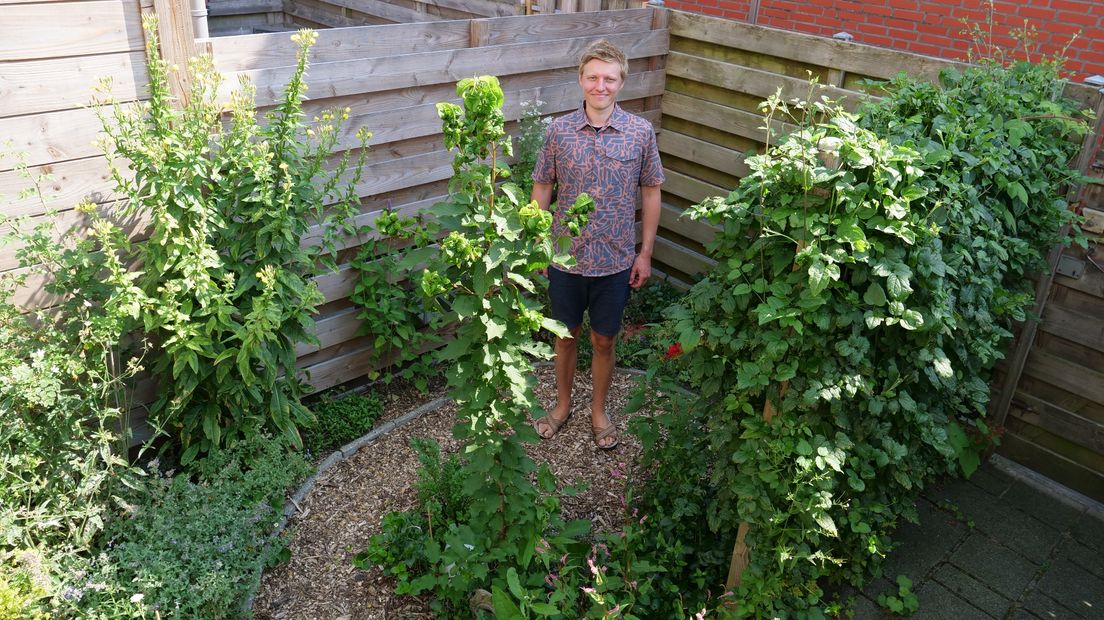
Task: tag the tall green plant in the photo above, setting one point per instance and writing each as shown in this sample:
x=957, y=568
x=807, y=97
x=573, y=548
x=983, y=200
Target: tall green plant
x=229, y=280
x=482, y=281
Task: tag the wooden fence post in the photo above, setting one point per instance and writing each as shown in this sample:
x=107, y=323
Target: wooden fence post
x=174, y=29
x=741, y=555
x=1026, y=341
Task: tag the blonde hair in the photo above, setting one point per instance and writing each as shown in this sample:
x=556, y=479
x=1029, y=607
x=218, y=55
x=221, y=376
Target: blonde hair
x=606, y=52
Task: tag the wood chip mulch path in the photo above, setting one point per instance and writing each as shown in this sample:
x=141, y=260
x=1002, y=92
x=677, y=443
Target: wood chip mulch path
x=347, y=502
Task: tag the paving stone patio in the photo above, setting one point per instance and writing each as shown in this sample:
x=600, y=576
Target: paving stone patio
x=1004, y=544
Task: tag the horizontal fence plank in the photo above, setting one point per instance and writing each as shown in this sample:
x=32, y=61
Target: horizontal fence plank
x=32, y=86
x=63, y=29
x=842, y=55
x=1066, y=424
x=1085, y=330
x=705, y=153
x=219, y=8
x=751, y=81
x=372, y=75
x=681, y=258
x=1067, y=375
x=72, y=182
x=690, y=188
x=1052, y=464
x=262, y=51
x=671, y=218
x=721, y=117
x=380, y=8
x=531, y=28
x=52, y=136
x=483, y=8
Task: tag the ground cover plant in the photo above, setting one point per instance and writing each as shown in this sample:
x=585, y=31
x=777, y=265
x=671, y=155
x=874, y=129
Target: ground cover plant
x=869, y=269
x=213, y=304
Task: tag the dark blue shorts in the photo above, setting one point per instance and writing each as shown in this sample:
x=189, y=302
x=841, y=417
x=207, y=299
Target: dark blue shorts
x=602, y=297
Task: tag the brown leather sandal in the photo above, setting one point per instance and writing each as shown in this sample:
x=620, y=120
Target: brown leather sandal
x=552, y=423
x=602, y=433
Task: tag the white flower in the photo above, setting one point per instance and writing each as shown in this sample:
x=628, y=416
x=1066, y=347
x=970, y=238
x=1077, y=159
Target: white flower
x=137, y=598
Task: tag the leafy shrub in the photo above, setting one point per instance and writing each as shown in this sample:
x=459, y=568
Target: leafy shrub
x=230, y=286
x=22, y=591
x=339, y=421
x=192, y=548
x=869, y=268
x=63, y=389
x=391, y=311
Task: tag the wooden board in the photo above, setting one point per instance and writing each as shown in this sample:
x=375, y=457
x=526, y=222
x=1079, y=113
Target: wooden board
x=690, y=188
x=1086, y=330
x=32, y=86
x=72, y=182
x=218, y=8
x=380, y=8
x=509, y=30
x=372, y=75
x=751, y=81
x=1066, y=375
x=67, y=29
x=1038, y=412
x=706, y=153
x=718, y=116
x=685, y=260
x=671, y=219
x=1053, y=465
x=52, y=136
x=481, y=8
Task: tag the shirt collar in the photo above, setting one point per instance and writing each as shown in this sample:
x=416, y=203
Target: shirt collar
x=616, y=120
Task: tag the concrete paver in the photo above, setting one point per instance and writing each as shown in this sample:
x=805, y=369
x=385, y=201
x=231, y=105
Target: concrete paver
x=1006, y=544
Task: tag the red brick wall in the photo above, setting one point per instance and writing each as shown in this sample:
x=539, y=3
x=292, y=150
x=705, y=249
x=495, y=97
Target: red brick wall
x=933, y=27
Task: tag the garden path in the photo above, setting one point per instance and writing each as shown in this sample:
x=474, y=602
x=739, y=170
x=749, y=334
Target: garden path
x=1006, y=544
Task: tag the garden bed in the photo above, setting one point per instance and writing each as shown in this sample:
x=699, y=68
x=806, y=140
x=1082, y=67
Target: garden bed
x=344, y=509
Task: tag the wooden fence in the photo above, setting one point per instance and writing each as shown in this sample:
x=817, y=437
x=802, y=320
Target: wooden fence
x=718, y=71
x=254, y=16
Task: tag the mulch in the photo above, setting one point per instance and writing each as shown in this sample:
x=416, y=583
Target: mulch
x=344, y=509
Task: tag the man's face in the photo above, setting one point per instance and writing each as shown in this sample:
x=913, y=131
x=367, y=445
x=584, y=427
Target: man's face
x=600, y=81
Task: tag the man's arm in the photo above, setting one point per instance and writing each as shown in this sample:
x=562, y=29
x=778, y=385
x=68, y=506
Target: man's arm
x=542, y=193
x=649, y=218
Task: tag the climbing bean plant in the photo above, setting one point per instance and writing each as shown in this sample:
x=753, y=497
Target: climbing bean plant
x=482, y=281
x=869, y=268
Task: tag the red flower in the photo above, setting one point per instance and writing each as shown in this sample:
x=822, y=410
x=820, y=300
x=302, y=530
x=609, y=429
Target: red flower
x=673, y=351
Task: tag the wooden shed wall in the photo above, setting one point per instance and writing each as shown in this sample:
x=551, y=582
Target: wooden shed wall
x=718, y=71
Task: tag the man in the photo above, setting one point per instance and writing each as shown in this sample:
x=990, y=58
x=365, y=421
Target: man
x=607, y=153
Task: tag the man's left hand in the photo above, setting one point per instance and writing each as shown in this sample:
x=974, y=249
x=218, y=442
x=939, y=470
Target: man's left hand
x=641, y=271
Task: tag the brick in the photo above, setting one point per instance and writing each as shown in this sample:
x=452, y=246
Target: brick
x=1036, y=12
x=915, y=17
x=880, y=41
x=939, y=603
x=906, y=5
x=927, y=50
x=903, y=35
x=871, y=29
x=1082, y=6
x=1081, y=19
x=936, y=29
x=1074, y=587
x=900, y=24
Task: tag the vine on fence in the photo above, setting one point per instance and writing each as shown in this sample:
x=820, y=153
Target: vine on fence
x=869, y=268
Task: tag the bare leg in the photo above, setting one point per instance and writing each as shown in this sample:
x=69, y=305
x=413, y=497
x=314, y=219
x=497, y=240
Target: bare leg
x=601, y=372
x=567, y=356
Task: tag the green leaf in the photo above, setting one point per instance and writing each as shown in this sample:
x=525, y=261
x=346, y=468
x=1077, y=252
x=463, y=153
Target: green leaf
x=495, y=327
x=875, y=295
x=826, y=523
x=504, y=606
x=555, y=327
x=513, y=582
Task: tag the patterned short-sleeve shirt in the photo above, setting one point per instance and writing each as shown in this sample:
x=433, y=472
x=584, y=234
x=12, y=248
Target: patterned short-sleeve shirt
x=610, y=164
